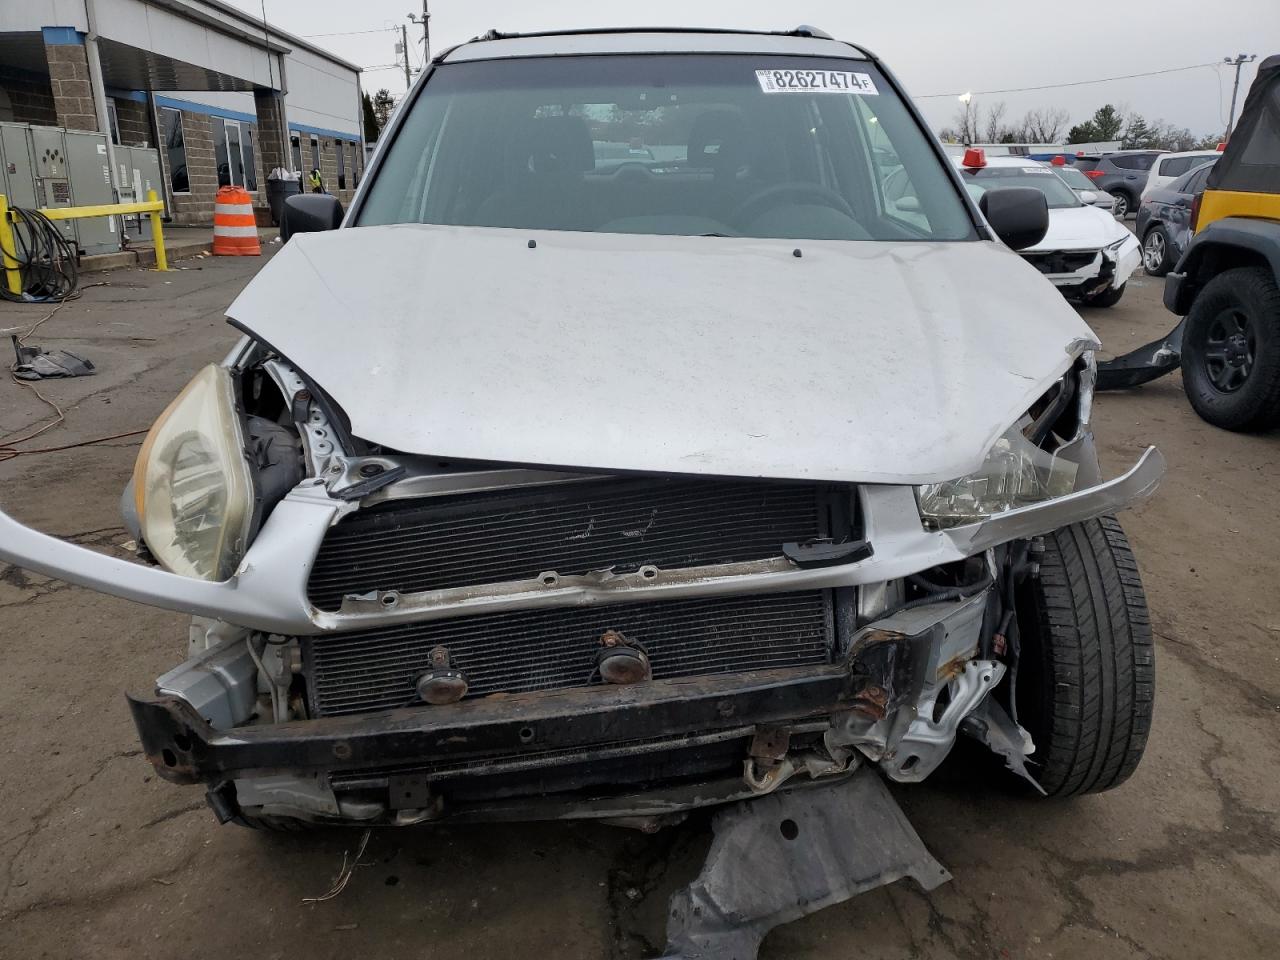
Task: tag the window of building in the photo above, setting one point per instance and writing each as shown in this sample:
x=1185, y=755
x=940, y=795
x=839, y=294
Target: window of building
x=233, y=153
x=250, y=162
x=114, y=122
x=342, y=163
x=315, y=153
x=296, y=146
x=175, y=149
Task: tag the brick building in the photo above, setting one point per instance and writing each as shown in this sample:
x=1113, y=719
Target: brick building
x=225, y=97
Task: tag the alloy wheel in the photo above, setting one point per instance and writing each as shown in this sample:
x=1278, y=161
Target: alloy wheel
x=1121, y=206
x=1230, y=349
x=1153, y=251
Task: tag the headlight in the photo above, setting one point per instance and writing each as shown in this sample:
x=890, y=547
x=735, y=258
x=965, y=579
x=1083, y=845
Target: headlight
x=192, y=482
x=1015, y=473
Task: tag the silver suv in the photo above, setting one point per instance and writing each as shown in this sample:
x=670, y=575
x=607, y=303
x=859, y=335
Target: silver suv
x=553, y=487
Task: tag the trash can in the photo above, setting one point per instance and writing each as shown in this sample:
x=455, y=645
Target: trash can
x=281, y=183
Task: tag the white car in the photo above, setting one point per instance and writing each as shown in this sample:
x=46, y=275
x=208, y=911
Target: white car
x=1083, y=188
x=1087, y=254
x=1170, y=166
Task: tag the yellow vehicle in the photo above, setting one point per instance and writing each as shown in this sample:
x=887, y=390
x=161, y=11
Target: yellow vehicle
x=1227, y=283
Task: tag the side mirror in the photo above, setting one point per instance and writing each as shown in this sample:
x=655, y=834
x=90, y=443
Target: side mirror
x=908, y=204
x=1018, y=215
x=1088, y=196
x=309, y=213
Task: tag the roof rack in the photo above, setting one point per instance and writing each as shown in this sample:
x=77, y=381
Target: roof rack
x=804, y=30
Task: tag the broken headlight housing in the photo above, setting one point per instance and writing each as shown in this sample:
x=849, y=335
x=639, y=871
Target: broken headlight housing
x=192, y=482
x=1015, y=473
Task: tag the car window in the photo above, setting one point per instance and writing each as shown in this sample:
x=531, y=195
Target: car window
x=1085, y=163
x=1174, y=166
x=1193, y=183
x=759, y=146
x=1133, y=161
x=1075, y=179
x=1058, y=195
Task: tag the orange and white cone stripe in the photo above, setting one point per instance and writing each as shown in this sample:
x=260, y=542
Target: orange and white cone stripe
x=235, y=229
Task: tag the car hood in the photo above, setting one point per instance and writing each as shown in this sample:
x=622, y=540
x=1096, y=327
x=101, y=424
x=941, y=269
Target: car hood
x=828, y=360
x=1080, y=228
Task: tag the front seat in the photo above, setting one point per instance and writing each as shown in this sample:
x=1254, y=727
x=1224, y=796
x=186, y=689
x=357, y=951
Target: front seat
x=545, y=188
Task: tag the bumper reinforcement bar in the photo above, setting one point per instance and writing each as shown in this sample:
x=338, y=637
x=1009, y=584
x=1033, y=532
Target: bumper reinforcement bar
x=186, y=749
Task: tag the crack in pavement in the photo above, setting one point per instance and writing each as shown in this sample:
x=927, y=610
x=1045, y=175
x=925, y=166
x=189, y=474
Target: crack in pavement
x=41, y=818
x=1243, y=829
x=1194, y=657
x=20, y=579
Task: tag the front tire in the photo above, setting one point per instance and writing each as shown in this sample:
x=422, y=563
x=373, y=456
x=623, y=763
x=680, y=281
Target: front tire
x=1157, y=252
x=1086, y=678
x=1231, y=351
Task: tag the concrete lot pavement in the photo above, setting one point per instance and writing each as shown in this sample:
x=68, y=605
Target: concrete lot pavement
x=99, y=859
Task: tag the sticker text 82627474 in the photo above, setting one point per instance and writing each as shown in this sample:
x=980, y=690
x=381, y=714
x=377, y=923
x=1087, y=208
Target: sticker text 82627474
x=815, y=81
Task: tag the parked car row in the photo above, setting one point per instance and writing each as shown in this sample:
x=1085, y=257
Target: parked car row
x=1131, y=175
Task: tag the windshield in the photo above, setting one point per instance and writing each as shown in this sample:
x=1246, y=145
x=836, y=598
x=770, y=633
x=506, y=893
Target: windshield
x=1075, y=179
x=756, y=146
x=1055, y=191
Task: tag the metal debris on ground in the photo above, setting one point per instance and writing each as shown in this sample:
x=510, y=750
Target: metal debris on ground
x=777, y=858
x=33, y=363
x=344, y=872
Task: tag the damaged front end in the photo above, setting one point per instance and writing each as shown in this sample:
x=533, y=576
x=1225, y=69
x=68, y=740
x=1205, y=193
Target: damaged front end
x=400, y=639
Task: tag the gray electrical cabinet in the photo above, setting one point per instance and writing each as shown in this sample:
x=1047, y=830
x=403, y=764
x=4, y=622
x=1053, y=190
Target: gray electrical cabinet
x=16, y=180
x=139, y=170
x=53, y=167
x=53, y=184
x=89, y=172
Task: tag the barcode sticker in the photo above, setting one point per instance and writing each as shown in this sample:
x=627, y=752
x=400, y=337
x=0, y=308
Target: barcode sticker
x=816, y=81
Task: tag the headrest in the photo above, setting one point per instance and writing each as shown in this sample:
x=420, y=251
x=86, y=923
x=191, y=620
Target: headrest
x=560, y=143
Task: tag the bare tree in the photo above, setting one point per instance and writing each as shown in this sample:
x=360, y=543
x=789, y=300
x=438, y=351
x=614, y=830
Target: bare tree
x=1043, y=126
x=993, y=128
x=966, y=122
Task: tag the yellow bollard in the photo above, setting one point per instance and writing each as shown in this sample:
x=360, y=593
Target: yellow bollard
x=157, y=232
x=12, y=275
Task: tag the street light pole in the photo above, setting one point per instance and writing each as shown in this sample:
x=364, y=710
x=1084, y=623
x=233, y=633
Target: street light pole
x=404, y=51
x=1238, y=62
x=426, y=31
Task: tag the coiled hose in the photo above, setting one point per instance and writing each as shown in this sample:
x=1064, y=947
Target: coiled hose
x=47, y=260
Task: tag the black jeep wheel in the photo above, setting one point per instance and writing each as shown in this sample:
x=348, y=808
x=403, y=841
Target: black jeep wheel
x=1157, y=252
x=1087, y=673
x=1107, y=298
x=1231, y=350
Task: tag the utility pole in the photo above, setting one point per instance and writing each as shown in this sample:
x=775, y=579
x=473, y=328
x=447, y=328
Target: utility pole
x=426, y=32
x=1240, y=60
x=404, y=52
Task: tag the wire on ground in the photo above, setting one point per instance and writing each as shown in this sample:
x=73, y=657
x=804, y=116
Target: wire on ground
x=46, y=259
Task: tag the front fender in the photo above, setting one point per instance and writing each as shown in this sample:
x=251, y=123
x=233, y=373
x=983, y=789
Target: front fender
x=1219, y=247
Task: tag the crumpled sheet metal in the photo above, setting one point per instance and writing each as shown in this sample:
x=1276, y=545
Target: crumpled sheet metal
x=780, y=857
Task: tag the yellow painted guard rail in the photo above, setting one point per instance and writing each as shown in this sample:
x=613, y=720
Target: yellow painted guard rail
x=153, y=205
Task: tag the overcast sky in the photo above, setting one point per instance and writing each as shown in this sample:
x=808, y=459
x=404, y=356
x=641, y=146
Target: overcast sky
x=935, y=47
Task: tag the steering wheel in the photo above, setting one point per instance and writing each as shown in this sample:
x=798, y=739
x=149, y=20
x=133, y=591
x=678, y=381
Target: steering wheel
x=771, y=196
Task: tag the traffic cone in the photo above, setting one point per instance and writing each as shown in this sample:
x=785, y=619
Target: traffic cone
x=235, y=230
